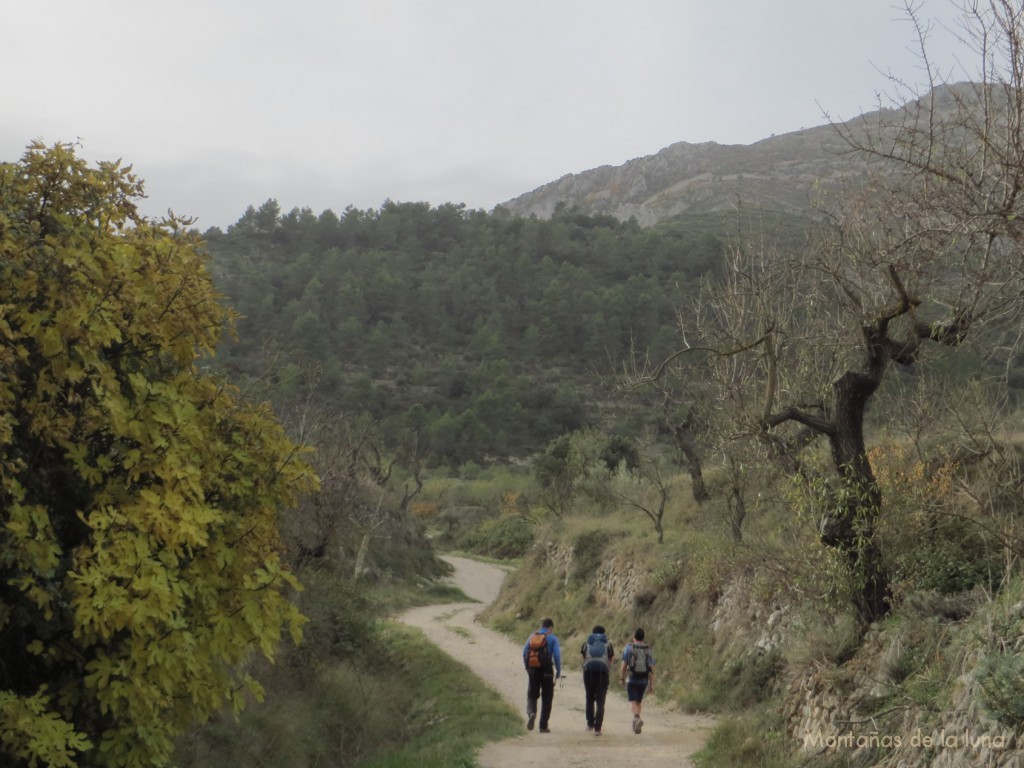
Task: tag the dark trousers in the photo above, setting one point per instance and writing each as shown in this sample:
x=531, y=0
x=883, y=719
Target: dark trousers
x=595, y=683
x=541, y=686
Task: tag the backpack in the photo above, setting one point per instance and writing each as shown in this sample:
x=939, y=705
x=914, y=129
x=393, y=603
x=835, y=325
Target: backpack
x=639, y=660
x=539, y=655
x=597, y=652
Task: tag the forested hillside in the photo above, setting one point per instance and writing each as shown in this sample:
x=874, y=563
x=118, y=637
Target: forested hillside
x=468, y=334
x=857, y=390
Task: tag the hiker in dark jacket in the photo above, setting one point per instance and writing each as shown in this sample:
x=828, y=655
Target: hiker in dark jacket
x=542, y=658
x=597, y=655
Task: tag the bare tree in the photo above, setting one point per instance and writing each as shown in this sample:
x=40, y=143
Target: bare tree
x=922, y=253
x=375, y=520
x=645, y=489
x=321, y=522
x=683, y=422
x=367, y=522
x=679, y=388
x=353, y=503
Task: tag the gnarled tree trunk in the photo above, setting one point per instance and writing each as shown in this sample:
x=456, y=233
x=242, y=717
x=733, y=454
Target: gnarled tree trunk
x=849, y=525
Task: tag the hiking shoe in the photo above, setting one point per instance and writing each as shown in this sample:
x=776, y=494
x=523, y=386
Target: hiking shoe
x=638, y=726
x=530, y=720
x=545, y=730
x=597, y=732
x=636, y=719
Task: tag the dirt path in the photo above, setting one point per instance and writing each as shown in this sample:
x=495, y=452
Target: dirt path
x=667, y=740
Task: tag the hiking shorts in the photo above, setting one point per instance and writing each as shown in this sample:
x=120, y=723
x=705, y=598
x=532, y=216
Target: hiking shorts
x=635, y=689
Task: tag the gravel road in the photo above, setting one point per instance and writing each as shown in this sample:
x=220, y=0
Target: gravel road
x=668, y=737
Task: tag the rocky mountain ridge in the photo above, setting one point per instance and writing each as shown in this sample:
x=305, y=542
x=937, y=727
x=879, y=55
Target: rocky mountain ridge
x=777, y=173
x=780, y=173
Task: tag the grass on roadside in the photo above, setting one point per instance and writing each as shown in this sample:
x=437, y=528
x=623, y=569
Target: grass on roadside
x=755, y=737
x=446, y=712
x=416, y=707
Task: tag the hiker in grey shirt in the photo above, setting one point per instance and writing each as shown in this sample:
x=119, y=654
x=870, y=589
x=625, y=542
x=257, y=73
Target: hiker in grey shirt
x=638, y=660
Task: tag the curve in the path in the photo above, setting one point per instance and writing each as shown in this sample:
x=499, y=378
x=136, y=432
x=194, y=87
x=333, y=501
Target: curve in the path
x=668, y=737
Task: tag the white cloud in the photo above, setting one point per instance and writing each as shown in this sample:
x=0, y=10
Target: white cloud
x=221, y=103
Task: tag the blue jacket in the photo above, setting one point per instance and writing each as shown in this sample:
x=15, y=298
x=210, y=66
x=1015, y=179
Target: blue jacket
x=553, y=646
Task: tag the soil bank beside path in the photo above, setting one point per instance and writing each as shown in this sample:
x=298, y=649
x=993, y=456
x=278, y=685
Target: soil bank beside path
x=667, y=740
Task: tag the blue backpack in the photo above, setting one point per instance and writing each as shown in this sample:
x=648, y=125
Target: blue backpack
x=596, y=653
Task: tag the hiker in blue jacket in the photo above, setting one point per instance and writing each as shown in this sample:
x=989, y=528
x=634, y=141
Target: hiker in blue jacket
x=542, y=658
x=638, y=661
x=597, y=655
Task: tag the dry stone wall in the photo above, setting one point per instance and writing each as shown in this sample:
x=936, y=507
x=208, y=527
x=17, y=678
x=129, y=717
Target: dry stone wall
x=744, y=623
x=831, y=715
x=616, y=582
x=847, y=710
x=851, y=710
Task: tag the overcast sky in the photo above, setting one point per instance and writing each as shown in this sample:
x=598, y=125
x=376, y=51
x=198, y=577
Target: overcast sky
x=220, y=104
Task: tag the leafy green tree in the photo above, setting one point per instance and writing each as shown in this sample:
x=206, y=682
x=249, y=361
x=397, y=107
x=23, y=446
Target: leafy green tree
x=267, y=219
x=580, y=464
x=139, y=548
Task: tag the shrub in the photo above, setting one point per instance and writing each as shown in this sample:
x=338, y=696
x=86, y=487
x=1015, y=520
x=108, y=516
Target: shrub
x=341, y=618
x=949, y=557
x=506, y=537
x=589, y=547
x=1001, y=676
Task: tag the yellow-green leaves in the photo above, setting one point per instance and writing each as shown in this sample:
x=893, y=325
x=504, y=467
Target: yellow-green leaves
x=34, y=735
x=139, y=564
